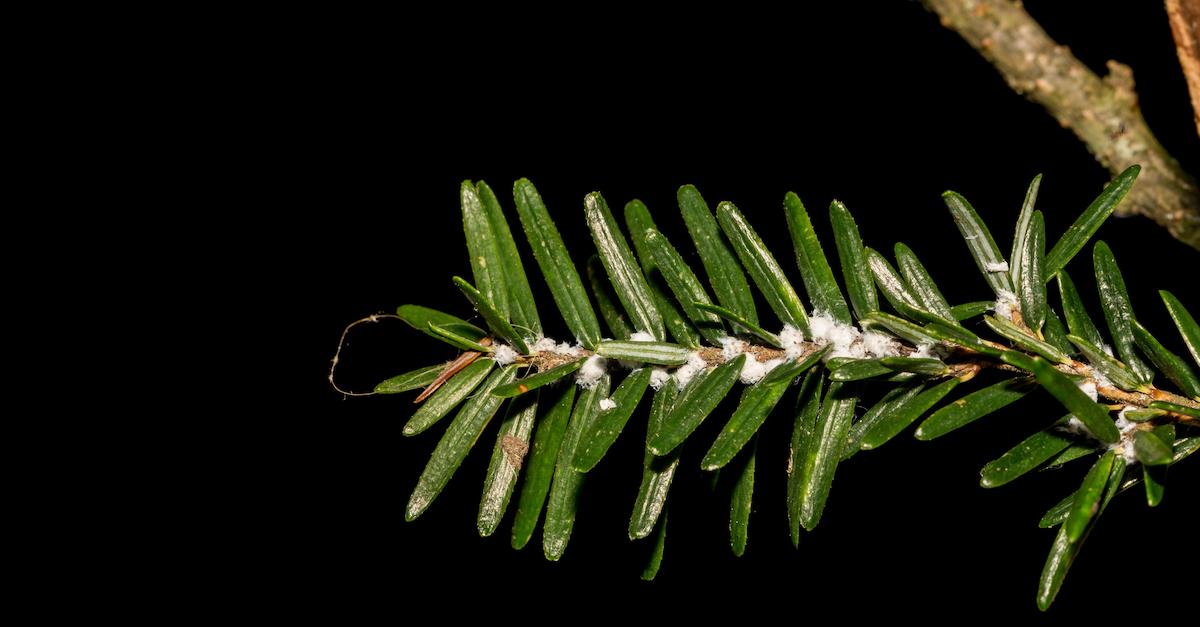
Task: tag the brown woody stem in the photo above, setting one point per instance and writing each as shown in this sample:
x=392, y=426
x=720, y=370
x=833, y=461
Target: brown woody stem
x=1102, y=112
x=966, y=366
x=1184, y=16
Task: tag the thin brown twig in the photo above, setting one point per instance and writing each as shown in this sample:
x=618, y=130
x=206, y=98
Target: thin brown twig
x=966, y=365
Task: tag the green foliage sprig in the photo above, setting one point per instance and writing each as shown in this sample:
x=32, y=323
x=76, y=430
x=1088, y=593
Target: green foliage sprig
x=689, y=350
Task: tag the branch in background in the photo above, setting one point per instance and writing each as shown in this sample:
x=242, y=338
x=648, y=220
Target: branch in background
x=1103, y=113
x=1184, y=16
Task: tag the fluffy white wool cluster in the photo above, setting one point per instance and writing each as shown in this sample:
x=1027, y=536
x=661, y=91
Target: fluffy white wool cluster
x=1124, y=445
x=607, y=404
x=1101, y=380
x=880, y=344
x=847, y=340
x=1088, y=388
x=924, y=350
x=1076, y=426
x=792, y=340
x=695, y=364
x=504, y=354
x=590, y=372
x=1006, y=301
x=658, y=377
x=547, y=345
x=997, y=267
x=753, y=370
x=731, y=347
x=1127, y=428
x=843, y=337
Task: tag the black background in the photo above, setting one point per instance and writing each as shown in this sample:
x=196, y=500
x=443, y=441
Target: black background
x=878, y=107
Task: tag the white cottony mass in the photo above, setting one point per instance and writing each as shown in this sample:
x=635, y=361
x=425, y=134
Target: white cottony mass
x=504, y=354
x=695, y=364
x=1006, y=301
x=590, y=372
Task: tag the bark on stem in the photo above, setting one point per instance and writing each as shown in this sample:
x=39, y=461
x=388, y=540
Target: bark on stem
x=1184, y=16
x=1102, y=112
